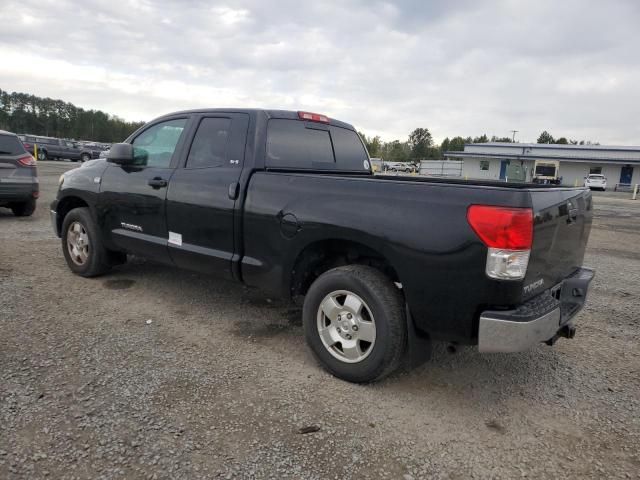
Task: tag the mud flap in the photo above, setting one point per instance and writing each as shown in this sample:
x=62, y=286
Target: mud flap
x=418, y=344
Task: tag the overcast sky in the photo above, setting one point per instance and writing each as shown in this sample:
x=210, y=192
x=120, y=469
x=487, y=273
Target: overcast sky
x=456, y=67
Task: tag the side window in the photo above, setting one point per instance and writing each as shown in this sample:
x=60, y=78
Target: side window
x=209, y=147
x=155, y=146
x=291, y=144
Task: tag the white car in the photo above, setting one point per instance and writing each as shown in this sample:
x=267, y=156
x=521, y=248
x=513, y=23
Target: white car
x=596, y=181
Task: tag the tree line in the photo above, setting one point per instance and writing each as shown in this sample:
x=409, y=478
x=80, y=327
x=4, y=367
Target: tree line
x=26, y=113
x=421, y=146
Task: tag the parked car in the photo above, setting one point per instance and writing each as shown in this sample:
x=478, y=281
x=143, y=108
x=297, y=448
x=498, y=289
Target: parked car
x=593, y=181
x=286, y=201
x=406, y=167
x=50, y=148
x=19, y=188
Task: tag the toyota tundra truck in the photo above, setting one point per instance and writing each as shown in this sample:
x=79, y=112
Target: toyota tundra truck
x=383, y=266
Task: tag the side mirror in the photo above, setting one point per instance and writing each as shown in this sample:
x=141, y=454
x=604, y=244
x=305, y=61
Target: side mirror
x=121, y=153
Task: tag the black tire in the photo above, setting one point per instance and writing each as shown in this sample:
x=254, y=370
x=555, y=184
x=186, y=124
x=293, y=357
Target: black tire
x=386, y=304
x=97, y=261
x=85, y=157
x=42, y=155
x=24, y=209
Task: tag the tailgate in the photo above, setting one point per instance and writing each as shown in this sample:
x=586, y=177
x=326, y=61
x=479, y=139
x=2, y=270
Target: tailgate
x=6, y=169
x=562, y=223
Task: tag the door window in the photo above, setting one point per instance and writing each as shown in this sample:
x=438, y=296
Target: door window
x=155, y=146
x=209, y=147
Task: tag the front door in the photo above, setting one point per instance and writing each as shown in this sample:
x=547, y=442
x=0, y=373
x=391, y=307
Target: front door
x=626, y=174
x=203, y=192
x=132, y=198
x=503, y=169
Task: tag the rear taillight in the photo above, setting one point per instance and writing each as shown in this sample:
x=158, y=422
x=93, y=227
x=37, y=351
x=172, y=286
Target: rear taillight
x=27, y=161
x=313, y=117
x=508, y=233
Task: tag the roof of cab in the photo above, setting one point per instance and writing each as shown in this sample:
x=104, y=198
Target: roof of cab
x=285, y=114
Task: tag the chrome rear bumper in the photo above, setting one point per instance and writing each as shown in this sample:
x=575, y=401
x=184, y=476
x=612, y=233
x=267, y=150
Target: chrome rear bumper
x=540, y=320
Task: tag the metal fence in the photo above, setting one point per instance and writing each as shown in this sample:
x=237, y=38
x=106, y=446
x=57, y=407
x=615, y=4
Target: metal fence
x=441, y=168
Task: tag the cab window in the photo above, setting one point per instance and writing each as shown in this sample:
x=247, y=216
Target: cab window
x=155, y=146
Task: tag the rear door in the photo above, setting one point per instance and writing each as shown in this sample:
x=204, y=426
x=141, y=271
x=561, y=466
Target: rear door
x=132, y=198
x=561, y=229
x=203, y=192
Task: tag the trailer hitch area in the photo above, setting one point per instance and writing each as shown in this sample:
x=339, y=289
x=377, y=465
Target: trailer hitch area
x=566, y=331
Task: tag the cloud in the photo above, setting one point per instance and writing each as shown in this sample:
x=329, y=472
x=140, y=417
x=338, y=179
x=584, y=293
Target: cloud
x=458, y=68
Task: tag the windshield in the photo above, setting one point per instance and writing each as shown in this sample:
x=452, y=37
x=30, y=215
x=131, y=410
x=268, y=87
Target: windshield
x=11, y=145
x=546, y=170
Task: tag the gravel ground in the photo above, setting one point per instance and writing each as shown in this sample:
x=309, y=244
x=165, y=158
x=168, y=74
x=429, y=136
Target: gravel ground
x=151, y=372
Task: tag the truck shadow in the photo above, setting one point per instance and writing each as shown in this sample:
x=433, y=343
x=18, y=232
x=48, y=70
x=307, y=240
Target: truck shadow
x=246, y=313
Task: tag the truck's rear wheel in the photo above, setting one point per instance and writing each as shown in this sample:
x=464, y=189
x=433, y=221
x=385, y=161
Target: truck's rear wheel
x=354, y=323
x=82, y=245
x=85, y=157
x=42, y=155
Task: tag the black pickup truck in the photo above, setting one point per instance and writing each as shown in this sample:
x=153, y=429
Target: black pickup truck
x=286, y=201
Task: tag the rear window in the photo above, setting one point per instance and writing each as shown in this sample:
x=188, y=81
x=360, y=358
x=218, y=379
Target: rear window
x=310, y=145
x=11, y=145
x=597, y=177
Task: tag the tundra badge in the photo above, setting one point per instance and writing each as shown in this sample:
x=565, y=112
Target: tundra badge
x=533, y=286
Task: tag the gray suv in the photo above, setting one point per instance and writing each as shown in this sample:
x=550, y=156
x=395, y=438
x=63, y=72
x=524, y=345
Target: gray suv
x=19, y=186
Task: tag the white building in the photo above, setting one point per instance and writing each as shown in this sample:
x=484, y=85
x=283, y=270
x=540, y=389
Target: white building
x=621, y=165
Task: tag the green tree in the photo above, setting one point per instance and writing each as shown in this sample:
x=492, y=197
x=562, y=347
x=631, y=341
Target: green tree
x=396, y=151
x=562, y=141
x=25, y=113
x=420, y=141
x=545, y=137
x=501, y=139
x=481, y=139
x=457, y=144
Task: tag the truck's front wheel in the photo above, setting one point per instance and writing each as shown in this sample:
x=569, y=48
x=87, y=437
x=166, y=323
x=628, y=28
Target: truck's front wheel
x=82, y=245
x=354, y=323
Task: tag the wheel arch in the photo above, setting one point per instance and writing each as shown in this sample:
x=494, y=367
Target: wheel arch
x=322, y=255
x=66, y=204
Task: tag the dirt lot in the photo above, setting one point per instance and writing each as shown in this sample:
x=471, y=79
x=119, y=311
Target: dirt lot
x=220, y=382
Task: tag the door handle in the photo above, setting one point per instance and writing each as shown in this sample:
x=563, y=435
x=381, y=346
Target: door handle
x=233, y=190
x=157, y=182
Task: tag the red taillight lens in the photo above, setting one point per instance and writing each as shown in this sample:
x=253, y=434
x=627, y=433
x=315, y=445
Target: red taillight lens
x=27, y=161
x=27, y=145
x=500, y=227
x=313, y=117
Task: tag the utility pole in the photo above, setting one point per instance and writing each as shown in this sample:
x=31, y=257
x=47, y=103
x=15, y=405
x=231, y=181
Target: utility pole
x=513, y=138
